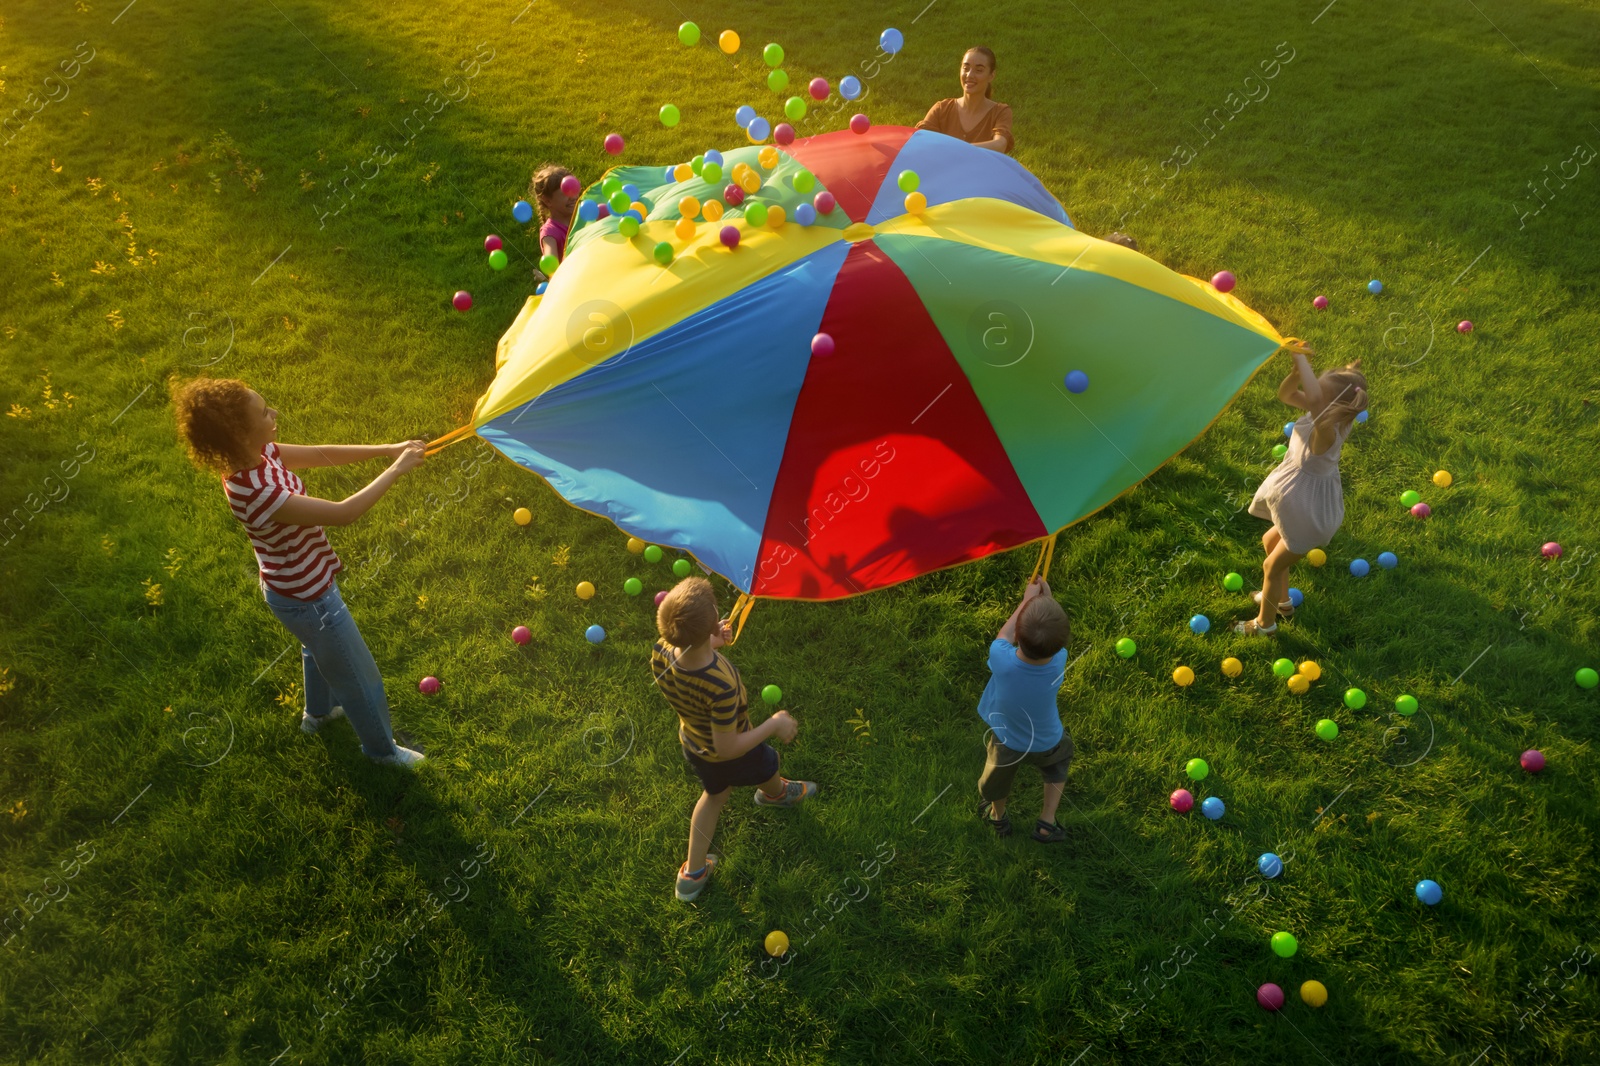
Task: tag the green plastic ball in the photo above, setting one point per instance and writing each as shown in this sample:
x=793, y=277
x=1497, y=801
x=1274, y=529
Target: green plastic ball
x=652, y=554
x=1197, y=769
x=1283, y=668
x=804, y=181
x=497, y=258
x=711, y=173
x=908, y=181
x=1327, y=729
x=1126, y=647
x=670, y=115
x=772, y=694
x=1406, y=705
x=633, y=586
x=1284, y=945
x=681, y=567
x=1233, y=582
x=777, y=81
x=663, y=253
x=772, y=54
x=689, y=34
x=618, y=202
x=629, y=226
x=1279, y=451
x=611, y=185
x=1411, y=497
x=1586, y=678
x=548, y=264
x=756, y=214
x=697, y=164
x=794, y=108
x=1355, y=699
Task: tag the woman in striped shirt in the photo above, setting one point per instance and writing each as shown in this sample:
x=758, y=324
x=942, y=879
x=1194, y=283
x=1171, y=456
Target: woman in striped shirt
x=230, y=430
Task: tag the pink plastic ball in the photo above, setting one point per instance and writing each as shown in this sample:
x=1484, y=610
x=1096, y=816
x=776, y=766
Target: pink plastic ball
x=461, y=300
x=492, y=243
x=824, y=203
x=428, y=685
x=819, y=88
x=1223, y=281
x=1320, y=303
x=730, y=236
x=860, y=123
x=660, y=596
x=614, y=143
x=822, y=345
x=783, y=133
x=605, y=211
x=1182, y=801
x=733, y=196
x=571, y=185
x=1421, y=510
x=1464, y=326
x=1551, y=550
x=1270, y=996
x=521, y=634
x=1533, y=760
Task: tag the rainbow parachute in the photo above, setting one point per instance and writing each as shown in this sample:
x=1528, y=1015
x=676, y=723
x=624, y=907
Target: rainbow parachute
x=683, y=402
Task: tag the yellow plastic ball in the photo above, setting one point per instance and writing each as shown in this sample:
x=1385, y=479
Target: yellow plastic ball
x=689, y=207
x=1232, y=667
x=1183, y=676
x=728, y=41
x=915, y=203
x=1442, y=479
x=775, y=216
x=777, y=943
x=682, y=172
x=635, y=545
x=585, y=590
x=768, y=157
x=1316, y=556
x=1314, y=994
x=641, y=207
x=712, y=210
x=750, y=181
x=684, y=229
x=522, y=516
x=1299, y=685
x=1310, y=670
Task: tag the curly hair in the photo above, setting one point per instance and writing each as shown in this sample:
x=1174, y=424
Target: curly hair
x=688, y=614
x=211, y=414
x=546, y=180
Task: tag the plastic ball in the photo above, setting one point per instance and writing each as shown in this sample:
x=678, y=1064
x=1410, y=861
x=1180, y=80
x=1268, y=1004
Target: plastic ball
x=633, y=586
x=1551, y=550
x=1233, y=582
x=1213, y=808
x=1310, y=670
x=730, y=236
x=492, y=243
x=733, y=195
x=497, y=259
x=663, y=253
x=916, y=203
x=652, y=554
x=1197, y=769
x=749, y=181
x=1443, y=479
x=1327, y=729
x=1533, y=760
x=822, y=345
x=1182, y=801
x=1296, y=597
x=860, y=123
x=1464, y=326
x=756, y=214
x=1288, y=429
x=538, y=290
x=522, y=211
x=660, y=596
x=689, y=34
x=1363, y=416
x=1232, y=667
x=594, y=634
x=1388, y=560
x=1269, y=865
x=1283, y=668
x=744, y=116
x=462, y=300
x=1279, y=451
x=614, y=143
x=728, y=41
x=1410, y=497
x=1421, y=510
x=1284, y=945
x=1199, y=623
x=777, y=80
x=522, y=516
x=1316, y=556
x=571, y=186
x=618, y=202
x=1374, y=286
x=1126, y=648
x=1077, y=381
x=549, y=263
x=1360, y=567
x=1183, y=676
x=1429, y=892
x=1270, y=996
x=759, y=130
x=670, y=115
x=635, y=545
x=768, y=158
x=908, y=180
x=1299, y=685
x=1313, y=994
x=776, y=943
x=428, y=685
x=681, y=567
x=610, y=184
x=522, y=634
x=585, y=590
x=1355, y=699
x=684, y=230
x=1586, y=677
x=794, y=108
x=628, y=226
x=824, y=202
x=588, y=211
x=772, y=694
x=818, y=88
x=1320, y=303
x=1223, y=281
x=1406, y=704
x=849, y=86
x=891, y=40
x=772, y=55
x=782, y=133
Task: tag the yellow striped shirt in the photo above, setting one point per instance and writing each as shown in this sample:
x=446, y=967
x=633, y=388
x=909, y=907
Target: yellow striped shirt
x=705, y=699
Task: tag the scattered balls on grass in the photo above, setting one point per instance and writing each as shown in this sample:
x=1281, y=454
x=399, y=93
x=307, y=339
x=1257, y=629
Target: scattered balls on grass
x=428, y=685
x=1406, y=704
x=1283, y=668
x=681, y=567
x=1360, y=567
x=1410, y=497
x=1269, y=865
x=1284, y=945
x=1183, y=676
x=633, y=586
x=522, y=516
x=1310, y=670
x=1200, y=623
x=1316, y=556
x=1126, y=648
x=1551, y=550
x=1270, y=996
x=1233, y=582
x=594, y=634
x=1586, y=677
x=1213, y=808
x=772, y=694
x=1182, y=801
x=1232, y=667
x=1443, y=479
x=521, y=634
x=1533, y=760
x=1421, y=510
x=652, y=554
x=1388, y=560
x=1328, y=729
x=776, y=943
x=635, y=545
x=1299, y=685
x=1429, y=892
x=1197, y=769
x=585, y=590
x=1313, y=993
x=1355, y=699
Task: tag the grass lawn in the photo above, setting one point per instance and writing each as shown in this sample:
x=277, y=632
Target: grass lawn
x=268, y=191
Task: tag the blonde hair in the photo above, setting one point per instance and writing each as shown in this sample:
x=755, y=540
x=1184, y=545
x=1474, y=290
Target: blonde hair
x=546, y=180
x=211, y=415
x=1345, y=381
x=688, y=614
x=1042, y=628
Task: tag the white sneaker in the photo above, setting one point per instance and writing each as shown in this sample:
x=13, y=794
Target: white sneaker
x=310, y=723
x=401, y=757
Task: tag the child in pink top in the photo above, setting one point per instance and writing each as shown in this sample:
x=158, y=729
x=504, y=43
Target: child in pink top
x=555, y=213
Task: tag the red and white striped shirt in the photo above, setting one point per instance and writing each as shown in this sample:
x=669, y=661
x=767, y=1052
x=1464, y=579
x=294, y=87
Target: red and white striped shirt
x=295, y=560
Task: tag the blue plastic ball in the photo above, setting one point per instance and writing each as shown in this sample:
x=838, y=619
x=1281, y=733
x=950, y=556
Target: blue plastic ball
x=1359, y=567
x=1077, y=381
x=632, y=191
x=633, y=214
x=714, y=156
x=594, y=634
x=1213, y=808
x=539, y=289
x=1200, y=623
x=744, y=115
x=849, y=86
x=891, y=41
x=1388, y=560
x=759, y=129
x=1269, y=865
x=1374, y=286
x=1288, y=429
x=1362, y=417
x=805, y=214
x=1429, y=892
x=1296, y=597
x=522, y=211
x=588, y=211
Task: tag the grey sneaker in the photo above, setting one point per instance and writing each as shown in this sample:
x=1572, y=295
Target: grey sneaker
x=401, y=757
x=689, y=888
x=794, y=793
x=310, y=723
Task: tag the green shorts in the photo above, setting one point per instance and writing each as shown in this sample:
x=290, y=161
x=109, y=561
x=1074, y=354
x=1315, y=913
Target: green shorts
x=1000, y=768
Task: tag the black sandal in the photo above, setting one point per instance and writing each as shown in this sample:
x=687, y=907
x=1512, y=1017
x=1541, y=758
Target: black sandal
x=1048, y=832
x=1000, y=825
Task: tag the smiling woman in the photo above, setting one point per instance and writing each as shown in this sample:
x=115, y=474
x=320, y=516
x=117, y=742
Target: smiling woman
x=974, y=116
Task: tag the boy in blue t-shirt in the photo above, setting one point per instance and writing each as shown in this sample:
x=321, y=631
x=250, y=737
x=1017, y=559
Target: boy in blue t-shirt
x=1028, y=660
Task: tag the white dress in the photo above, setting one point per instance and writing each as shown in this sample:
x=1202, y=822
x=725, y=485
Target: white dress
x=1304, y=497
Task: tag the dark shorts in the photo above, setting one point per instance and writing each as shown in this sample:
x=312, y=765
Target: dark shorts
x=1000, y=768
x=752, y=768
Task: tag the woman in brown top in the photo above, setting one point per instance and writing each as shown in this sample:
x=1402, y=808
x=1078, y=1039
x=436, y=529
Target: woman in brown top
x=974, y=116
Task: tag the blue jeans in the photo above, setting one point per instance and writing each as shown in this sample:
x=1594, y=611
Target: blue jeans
x=338, y=667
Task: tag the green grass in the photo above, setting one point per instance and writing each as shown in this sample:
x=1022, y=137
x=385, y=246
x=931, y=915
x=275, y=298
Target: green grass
x=230, y=871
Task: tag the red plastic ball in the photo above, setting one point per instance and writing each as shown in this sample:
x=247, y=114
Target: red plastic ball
x=521, y=635
x=571, y=185
x=614, y=143
x=1182, y=801
x=1223, y=281
x=1464, y=326
x=1270, y=996
x=660, y=596
x=822, y=345
x=1320, y=303
x=819, y=88
x=860, y=123
x=605, y=211
x=428, y=685
x=824, y=203
x=783, y=133
x=1421, y=510
x=461, y=300
x=730, y=236
x=492, y=243
x=733, y=196
x=1533, y=760
x=1551, y=550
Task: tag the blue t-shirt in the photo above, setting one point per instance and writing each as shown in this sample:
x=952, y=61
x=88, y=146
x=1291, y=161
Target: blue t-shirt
x=1019, y=702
